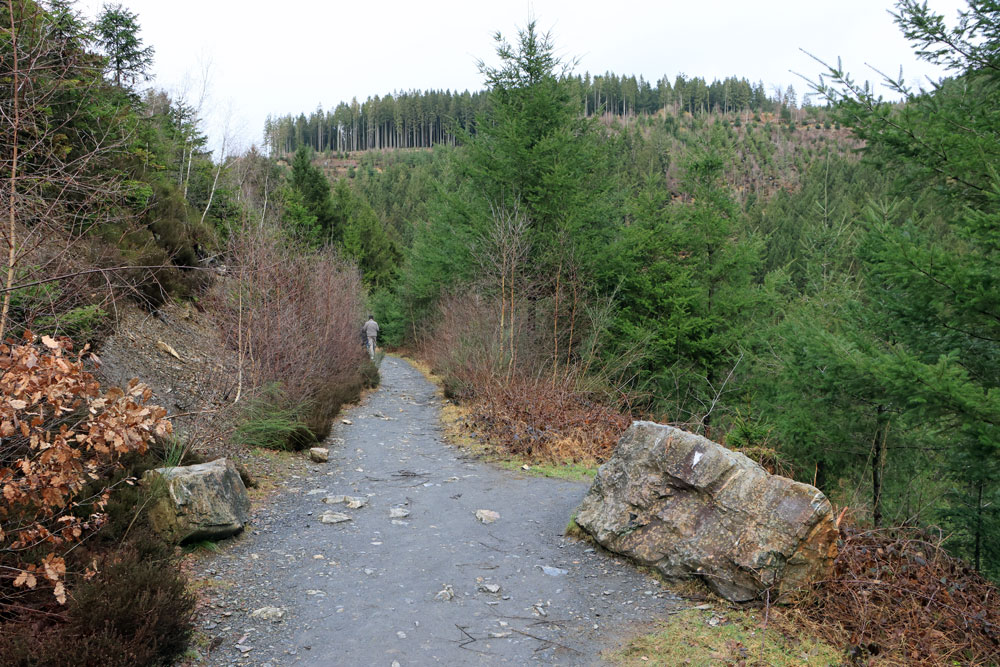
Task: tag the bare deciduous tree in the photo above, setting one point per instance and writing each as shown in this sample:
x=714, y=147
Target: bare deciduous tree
x=501, y=253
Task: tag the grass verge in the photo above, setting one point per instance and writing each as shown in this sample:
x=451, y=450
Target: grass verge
x=713, y=637
x=575, y=472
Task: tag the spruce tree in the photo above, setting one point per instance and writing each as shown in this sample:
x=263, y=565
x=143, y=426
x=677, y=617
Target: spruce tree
x=683, y=277
x=532, y=146
x=932, y=268
x=314, y=189
x=117, y=32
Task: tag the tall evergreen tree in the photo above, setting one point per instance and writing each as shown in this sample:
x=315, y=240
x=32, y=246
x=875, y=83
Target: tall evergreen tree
x=117, y=31
x=532, y=150
x=682, y=272
x=933, y=267
x=314, y=189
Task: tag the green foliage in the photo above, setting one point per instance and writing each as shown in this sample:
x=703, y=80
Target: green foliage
x=533, y=147
x=399, y=185
x=173, y=451
x=533, y=151
x=811, y=231
x=271, y=421
x=48, y=309
x=81, y=323
x=343, y=217
x=364, y=237
x=313, y=188
x=117, y=32
x=174, y=227
x=203, y=546
x=925, y=342
x=332, y=396
x=829, y=403
x=441, y=252
x=388, y=309
x=682, y=272
x=302, y=224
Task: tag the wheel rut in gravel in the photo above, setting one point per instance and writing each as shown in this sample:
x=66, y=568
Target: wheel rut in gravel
x=414, y=577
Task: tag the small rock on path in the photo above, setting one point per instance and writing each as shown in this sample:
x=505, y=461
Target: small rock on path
x=440, y=587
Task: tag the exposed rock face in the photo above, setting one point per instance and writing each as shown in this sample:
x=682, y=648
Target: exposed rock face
x=692, y=508
x=206, y=501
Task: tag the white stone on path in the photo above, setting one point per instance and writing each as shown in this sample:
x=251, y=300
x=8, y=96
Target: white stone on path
x=273, y=614
x=487, y=516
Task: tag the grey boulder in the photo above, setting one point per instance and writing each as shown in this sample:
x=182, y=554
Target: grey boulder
x=207, y=501
x=690, y=508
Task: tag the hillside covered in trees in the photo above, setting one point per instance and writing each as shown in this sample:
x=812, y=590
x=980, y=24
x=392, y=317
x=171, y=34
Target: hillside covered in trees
x=811, y=286
x=418, y=119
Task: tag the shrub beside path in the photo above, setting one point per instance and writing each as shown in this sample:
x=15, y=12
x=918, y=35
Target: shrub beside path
x=414, y=578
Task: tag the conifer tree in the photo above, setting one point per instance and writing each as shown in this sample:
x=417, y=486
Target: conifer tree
x=682, y=272
x=363, y=237
x=117, y=31
x=932, y=267
x=314, y=189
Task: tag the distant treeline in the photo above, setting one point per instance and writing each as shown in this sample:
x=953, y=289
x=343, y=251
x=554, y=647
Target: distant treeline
x=418, y=119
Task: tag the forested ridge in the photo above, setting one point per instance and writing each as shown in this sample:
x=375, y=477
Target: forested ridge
x=420, y=119
x=814, y=285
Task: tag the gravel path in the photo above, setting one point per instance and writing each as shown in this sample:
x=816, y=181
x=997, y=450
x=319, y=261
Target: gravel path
x=434, y=585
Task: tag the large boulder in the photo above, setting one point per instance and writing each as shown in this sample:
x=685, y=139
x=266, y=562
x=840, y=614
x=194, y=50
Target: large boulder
x=689, y=507
x=206, y=501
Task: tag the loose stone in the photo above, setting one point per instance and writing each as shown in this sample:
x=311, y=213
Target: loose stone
x=273, y=614
x=487, y=516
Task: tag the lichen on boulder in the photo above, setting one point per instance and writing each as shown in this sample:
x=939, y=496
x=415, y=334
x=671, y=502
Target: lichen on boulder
x=690, y=508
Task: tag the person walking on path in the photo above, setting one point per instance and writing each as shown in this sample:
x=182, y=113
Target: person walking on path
x=370, y=330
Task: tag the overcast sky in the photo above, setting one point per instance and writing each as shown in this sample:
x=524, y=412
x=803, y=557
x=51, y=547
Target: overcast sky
x=290, y=56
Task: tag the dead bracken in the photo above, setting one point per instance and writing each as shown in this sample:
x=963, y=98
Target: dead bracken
x=898, y=597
